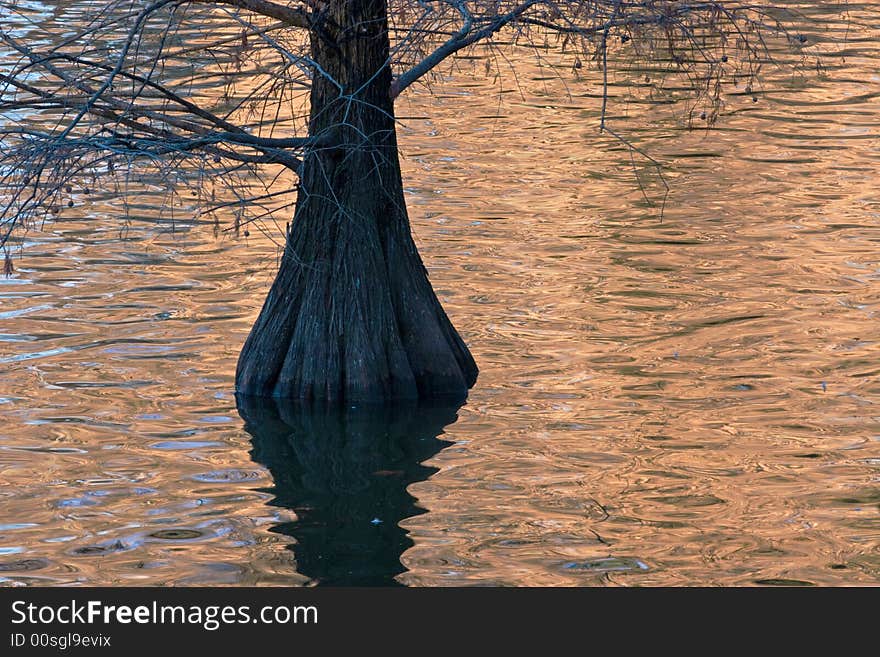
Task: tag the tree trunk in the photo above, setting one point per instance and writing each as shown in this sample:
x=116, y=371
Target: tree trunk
x=351, y=316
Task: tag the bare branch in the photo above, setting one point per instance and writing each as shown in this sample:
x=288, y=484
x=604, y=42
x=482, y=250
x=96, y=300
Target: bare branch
x=461, y=39
x=290, y=16
x=130, y=85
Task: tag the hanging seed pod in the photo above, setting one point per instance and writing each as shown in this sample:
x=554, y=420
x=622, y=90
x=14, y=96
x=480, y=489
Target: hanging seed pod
x=8, y=269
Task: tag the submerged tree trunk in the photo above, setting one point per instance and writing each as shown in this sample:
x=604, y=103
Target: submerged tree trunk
x=351, y=316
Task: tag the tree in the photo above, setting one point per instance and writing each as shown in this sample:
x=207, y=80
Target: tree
x=351, y=315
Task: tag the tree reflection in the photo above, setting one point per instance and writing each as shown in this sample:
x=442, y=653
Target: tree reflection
x=345, y=473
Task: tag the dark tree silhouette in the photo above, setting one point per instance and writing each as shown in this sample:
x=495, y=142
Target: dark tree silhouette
x=351, y=315
x=345, y=473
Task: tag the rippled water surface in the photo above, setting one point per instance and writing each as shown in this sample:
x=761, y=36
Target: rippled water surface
x=692, y=400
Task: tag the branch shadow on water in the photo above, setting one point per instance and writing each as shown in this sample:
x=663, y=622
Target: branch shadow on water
x=345, y=473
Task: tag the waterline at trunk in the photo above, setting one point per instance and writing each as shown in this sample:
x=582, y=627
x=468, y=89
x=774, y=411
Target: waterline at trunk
x=352, y=316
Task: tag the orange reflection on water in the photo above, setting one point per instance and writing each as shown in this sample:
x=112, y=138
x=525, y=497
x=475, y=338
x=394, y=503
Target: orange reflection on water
x=685, y=401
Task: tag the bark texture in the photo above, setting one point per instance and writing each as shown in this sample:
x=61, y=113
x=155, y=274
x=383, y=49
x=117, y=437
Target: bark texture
x=352, y=316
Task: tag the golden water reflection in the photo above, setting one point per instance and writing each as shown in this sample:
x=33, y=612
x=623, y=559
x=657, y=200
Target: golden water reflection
x=685, y=401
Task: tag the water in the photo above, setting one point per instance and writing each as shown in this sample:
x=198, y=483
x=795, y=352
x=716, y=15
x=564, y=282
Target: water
x=690, y=400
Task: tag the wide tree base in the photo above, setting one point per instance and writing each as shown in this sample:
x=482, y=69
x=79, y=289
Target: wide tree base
x=352, y=318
